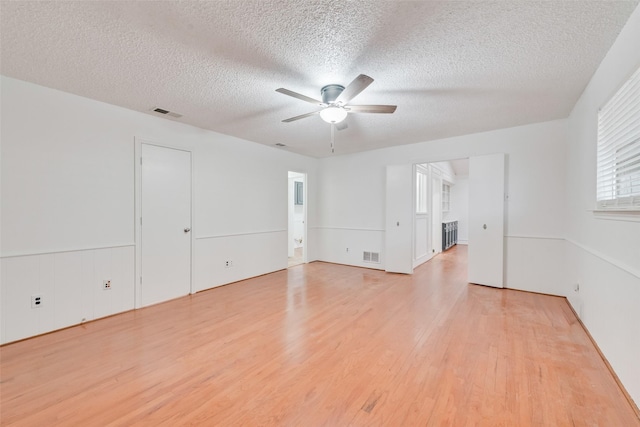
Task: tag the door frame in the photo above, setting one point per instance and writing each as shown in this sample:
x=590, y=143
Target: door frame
x=305, y=231
x=436, y=226
x=138, y=141
x=425, y=170
x=455, y=157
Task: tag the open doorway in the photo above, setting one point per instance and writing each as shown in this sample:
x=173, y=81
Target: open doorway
x=465, y=206
x=297, y=218
x=441, y=215
x=483, y=223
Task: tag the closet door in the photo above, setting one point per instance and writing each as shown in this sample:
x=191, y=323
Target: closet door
x=399, y=222
x=486, y=220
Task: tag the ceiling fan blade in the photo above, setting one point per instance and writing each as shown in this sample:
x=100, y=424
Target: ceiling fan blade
x=302, y=116
x=300, y=96
x=385, y=109
x=359, y=84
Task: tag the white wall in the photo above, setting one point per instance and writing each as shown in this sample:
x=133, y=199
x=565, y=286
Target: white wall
x=351, y=196
x=459, y=209
x=448, y=174
x=68, y=205
x=603, y=255
x=70, y=284
x=350, y=201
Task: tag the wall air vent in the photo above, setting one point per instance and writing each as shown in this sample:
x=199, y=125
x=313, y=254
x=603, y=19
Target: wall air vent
x=166, y=112
x=371, y=257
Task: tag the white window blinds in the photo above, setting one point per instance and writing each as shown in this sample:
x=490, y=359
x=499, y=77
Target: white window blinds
x=618, y=183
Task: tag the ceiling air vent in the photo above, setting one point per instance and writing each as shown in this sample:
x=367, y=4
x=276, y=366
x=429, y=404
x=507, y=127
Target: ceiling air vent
x=167, y=112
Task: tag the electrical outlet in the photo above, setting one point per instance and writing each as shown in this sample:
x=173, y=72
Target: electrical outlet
x=106, y=284
x=228, y=264
x=576, y=288
x=36, y=301
x=347, y=249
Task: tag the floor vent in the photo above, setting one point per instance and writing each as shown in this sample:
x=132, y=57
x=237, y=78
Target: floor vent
x=371, y=257
x=166, y=112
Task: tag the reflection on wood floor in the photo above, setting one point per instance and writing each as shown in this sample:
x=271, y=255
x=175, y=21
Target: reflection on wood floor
x=322, y=344
x=297, y=258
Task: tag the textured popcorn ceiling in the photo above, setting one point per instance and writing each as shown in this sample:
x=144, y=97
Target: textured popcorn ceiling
x=452, y=68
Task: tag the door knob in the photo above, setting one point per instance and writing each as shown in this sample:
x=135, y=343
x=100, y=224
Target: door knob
x=186, y=230
x=484, y=226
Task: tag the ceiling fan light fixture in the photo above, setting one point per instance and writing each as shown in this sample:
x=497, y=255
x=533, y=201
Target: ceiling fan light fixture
x=333, y=114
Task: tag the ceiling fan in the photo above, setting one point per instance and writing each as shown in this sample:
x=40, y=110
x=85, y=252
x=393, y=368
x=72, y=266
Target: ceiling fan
x=335, y=101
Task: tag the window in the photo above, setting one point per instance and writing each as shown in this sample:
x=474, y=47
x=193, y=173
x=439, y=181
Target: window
x=618, y=183
x=446, y=197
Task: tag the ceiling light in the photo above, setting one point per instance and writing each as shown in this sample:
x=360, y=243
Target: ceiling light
x=333, y=114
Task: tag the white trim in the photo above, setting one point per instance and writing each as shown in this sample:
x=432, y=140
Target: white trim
x=631, y=215
x=138, y=141
x=620, y=265
x=534, y=237
x=305, y=204
x=349, y=228
x=305, y=228
x=136, y=221
x=251, y=233
x=124, y=245
x=422, y=259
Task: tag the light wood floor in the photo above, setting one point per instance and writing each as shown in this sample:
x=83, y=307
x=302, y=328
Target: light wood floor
x=322, y=344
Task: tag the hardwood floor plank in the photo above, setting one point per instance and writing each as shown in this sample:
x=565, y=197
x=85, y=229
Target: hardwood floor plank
x=322, y=344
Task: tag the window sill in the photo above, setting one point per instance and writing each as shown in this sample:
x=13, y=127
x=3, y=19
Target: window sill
x=632, y=215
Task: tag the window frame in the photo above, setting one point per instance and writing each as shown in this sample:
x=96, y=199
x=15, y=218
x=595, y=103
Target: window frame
x=446, y=196
x=618, y=175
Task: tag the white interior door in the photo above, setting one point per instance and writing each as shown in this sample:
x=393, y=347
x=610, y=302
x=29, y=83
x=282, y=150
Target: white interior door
x=486, y=220
x=399, y=219
x=165, y=224
x=436, y=213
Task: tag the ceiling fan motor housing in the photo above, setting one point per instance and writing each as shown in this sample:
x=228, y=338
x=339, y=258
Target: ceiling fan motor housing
x=330, y=93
